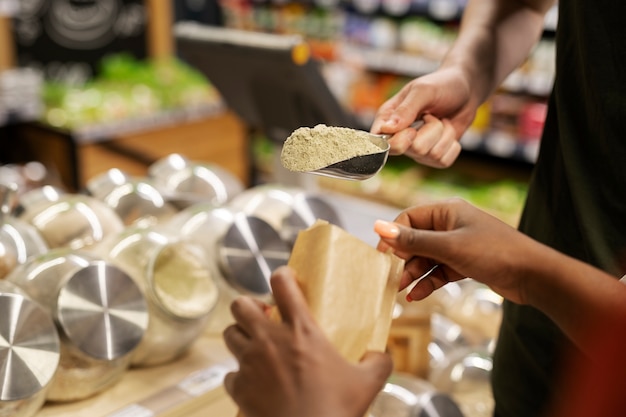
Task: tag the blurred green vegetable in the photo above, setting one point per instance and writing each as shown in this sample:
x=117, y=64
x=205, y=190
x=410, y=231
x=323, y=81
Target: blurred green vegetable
x=127, y=88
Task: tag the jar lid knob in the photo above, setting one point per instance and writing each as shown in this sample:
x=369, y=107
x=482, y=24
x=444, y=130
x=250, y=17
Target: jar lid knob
x=249, y=252
x=102, y=311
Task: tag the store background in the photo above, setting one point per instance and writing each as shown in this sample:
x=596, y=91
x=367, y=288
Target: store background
x=90, y=86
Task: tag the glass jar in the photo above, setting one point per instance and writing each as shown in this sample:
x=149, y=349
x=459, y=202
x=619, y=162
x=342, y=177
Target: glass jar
x=30, y=352
x=465, y=375
x=74, y=221
x=135, y=200
x=288, y=209
x=98, y=310
x=186, y=182
x=405, y=395
x=244, y=251
x=18, y=239
x=178, y=284
x=479, y=310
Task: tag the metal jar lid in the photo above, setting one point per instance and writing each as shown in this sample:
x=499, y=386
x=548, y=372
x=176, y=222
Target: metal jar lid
x=72, y=220
x=135, y=199
x=249, y=252
x=186, y=182
x=406, y=395
x=29, y=346
x=438, y=405
x=306, y=210
x=102, y=311
x=289, y=210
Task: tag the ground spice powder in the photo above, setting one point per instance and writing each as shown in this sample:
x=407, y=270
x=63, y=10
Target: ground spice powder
x=309, y=149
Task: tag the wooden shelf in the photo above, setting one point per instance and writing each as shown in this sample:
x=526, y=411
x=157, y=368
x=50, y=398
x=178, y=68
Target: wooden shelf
x=219, y=138
x=189, y=387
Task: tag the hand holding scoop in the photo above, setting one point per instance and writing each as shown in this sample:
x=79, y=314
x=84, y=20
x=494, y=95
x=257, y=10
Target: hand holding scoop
x=337, y=152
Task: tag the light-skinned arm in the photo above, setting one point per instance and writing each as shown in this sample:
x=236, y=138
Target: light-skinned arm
x=468, y=242
x=495, y=37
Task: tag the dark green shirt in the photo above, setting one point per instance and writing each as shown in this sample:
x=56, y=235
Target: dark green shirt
x=577, y=197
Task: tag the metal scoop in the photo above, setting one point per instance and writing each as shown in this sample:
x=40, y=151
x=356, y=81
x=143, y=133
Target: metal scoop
x=365, y=166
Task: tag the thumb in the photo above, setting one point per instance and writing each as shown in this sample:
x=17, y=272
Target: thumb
x=396, y=113
x=407, y=242
x=288, y=296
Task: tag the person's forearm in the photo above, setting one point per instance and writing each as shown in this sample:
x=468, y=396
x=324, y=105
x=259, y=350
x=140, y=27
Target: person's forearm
x=495, y=37
x=576, y=296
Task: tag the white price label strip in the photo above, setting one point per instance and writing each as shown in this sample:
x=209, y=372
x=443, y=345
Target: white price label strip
x=196, y=384
x=207, y=379
x=133, y=410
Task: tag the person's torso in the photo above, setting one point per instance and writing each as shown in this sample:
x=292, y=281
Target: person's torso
x=575, y=202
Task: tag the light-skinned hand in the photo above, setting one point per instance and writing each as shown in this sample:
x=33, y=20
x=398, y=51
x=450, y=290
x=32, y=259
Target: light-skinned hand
x=442, y=99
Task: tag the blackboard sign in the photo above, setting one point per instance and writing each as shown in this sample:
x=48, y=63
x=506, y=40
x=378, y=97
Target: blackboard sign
x=68, y=38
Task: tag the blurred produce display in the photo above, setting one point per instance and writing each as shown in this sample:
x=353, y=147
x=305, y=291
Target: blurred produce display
x=127, y=88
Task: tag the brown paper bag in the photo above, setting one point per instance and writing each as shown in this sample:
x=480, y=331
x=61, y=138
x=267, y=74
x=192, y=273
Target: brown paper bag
x=350, y=287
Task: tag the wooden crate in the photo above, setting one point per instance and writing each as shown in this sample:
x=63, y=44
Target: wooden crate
x=219, y=138
x=409, y=337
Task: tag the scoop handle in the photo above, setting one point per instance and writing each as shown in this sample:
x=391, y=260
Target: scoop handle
x=415, y=125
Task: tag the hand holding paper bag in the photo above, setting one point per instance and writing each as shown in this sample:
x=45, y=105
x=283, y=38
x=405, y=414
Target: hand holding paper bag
x=305, y=364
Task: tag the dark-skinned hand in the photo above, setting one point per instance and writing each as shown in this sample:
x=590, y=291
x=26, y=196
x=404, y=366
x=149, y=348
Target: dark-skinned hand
x=289, y=368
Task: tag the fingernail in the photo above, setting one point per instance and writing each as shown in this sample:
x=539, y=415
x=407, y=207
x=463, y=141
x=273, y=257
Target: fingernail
x=390, y=123
x=386, y=229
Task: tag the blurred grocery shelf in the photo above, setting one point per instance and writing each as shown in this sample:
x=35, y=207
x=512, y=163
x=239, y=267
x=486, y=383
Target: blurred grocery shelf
x=98, y=132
